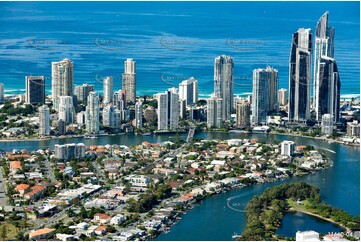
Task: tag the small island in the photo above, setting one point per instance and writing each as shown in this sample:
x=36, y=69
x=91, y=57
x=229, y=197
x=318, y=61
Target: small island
x=265, y=212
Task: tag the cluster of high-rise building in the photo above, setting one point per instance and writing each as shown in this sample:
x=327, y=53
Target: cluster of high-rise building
x=175, y=104
x=326, y=81
x=266, y=97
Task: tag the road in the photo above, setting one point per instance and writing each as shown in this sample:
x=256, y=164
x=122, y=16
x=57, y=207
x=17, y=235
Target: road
x=49, y=172
x=3, y=198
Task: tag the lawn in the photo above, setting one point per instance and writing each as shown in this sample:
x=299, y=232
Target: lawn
x=11, y=231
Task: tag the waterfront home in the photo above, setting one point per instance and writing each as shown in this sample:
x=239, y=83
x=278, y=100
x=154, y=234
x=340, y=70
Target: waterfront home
x=41, y=234
x=151, y=224
x=198, y=191
x=213, y=186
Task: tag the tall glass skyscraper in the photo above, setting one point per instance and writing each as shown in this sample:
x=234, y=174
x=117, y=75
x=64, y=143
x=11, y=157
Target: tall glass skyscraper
x=168, y=110
x=327, y=84
x=223, y=83
x=35, y=89
x=300, y=76
x=260, y=95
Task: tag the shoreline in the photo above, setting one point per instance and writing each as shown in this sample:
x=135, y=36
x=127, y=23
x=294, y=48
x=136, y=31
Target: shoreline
x=292, y=209
x=100, y=135
x=224, y=189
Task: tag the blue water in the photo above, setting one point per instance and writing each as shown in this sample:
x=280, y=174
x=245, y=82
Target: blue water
x=169, y=39
x=293, y=222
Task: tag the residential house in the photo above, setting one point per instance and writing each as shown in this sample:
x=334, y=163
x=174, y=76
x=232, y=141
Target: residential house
x=41, y=234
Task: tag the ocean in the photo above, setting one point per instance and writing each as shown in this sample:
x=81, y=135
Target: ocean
x=170, y=41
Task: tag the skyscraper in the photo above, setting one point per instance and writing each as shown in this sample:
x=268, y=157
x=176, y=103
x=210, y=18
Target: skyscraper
x=300, y=76
x=326, y=77
x=149, y=114
x=1, y=92
x=82, y=92
x=282, y=96
x=62, y=75
x=223, y=83
x=44, y=120
x=35, y=89
x=66, y=109
x=214, y=112
x=111, y=117
x=108, y=89
x=287, y=148
x=119, y=101
x=273, y=82
x=260, y=96
x=139, y=115
x=327, y=124
x=243, y=111
x=168, y=110
x=92, y=114
x=188, y=91
x=129, y=80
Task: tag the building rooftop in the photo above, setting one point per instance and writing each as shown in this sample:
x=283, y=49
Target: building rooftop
x=41, y=232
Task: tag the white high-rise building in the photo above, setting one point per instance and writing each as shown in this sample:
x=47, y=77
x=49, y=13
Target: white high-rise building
x=287, y=148
x=62, y=75
x=188, y=91
x=1, y=92
x=307, y=236
x=119, y=101
x=224, y=84
x=66, y=109
x=82, y=92
x=139, y=115
x=108, y=89
x=92, y=114
x=214, y=112
x=111, y=117
x=168, y=110
x=80, y=118
x=327, y=124
x=260, y=96
x=129, y=80
x=44, y=120
x=282, y=96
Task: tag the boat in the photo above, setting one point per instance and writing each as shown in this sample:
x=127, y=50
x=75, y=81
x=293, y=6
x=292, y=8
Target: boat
x=235, y=236
x=90, y=137
x=146, y=134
